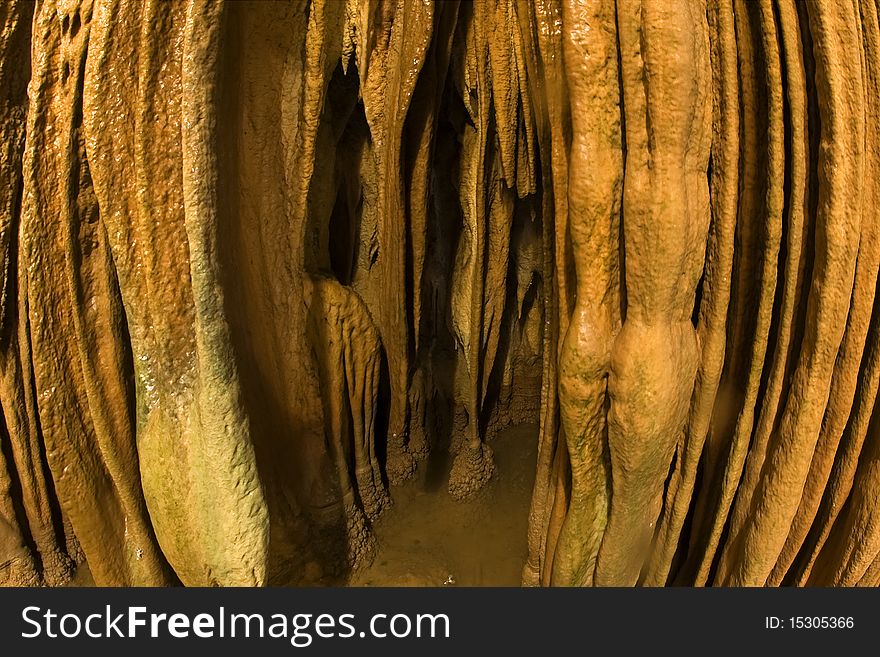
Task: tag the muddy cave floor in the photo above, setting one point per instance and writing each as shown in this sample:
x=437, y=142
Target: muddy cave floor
x=428, y=539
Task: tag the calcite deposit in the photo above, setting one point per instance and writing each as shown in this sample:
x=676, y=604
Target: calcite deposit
x=260, y=262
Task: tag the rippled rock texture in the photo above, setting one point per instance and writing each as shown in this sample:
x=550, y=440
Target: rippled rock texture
x=259, y=259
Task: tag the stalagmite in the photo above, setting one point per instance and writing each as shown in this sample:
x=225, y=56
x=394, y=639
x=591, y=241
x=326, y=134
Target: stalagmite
x=349, y=351
x=271, y=271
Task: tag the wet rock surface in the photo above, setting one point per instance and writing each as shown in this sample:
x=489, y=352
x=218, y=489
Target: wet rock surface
x=281, y=283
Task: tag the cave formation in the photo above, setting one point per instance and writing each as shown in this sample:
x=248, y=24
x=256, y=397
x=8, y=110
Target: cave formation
x=263, y=261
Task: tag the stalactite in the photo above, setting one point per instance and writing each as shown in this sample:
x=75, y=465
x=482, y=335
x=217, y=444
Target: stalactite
x=263, y=262
x=595, y=186
x=789, y=456
x=541, y=30
x=421, y=134
x=764, y=213
x=852, y=348
x=712, y=319
x=392, y=42
x=30, y=512
x=77, y=336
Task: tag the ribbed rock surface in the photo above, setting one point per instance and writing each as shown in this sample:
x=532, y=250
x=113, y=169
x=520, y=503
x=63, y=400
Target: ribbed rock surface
x=259, y=259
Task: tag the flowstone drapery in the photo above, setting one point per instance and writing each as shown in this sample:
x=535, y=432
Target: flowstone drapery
x=259, y=261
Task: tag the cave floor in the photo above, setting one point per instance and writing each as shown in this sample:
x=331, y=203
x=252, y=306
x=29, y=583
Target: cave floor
x=429, y=539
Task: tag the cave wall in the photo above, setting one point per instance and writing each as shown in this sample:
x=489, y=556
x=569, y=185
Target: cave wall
x=261, y=259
